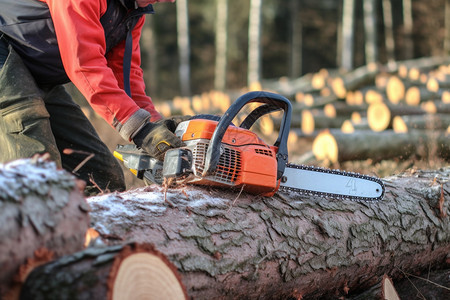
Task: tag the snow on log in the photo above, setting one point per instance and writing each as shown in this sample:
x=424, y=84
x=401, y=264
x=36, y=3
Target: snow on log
x=130, y=271
x=229, y=245
x=43, y=215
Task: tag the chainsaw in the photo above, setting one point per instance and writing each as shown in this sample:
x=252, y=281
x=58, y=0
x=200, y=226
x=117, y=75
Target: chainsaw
x=219, y=153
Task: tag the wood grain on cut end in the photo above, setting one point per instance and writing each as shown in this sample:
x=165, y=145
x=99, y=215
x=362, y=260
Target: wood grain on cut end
x=395, y=89
x=146, y=276
x=378, y=116
x=325, y=147
x=388, y=289
x=399, y=125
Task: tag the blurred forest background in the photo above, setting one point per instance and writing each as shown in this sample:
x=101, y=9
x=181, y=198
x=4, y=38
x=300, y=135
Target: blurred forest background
x=295, y=37
x=318, y=53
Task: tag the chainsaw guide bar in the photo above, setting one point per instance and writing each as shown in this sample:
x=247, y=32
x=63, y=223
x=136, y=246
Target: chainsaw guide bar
x=335, y=184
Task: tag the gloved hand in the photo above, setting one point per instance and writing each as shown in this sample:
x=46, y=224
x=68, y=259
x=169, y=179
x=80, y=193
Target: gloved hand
x=158, y=137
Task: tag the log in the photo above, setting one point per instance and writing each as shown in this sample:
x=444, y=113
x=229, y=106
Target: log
x=44, y=215
x=343, y=109
x=384, y=290
x=427, y=121
x=228, y=245
x=335, y=146
x=431, y=284
x=362, y=76
x=312, y=120
x=130, y=271
x=395, y=89
x=380, y=115
x=436, y=107
x=415, y=95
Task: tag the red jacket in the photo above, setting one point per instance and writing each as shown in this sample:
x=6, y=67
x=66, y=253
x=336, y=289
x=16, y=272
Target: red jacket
x=82, y=46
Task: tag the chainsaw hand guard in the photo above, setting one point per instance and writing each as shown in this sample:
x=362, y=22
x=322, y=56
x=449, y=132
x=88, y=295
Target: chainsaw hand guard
x=272, y=102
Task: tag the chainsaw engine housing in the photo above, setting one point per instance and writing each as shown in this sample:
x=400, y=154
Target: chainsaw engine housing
x=246, y=161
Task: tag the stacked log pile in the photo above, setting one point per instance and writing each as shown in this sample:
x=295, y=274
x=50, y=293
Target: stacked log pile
x=380, y=112
x=373, y=112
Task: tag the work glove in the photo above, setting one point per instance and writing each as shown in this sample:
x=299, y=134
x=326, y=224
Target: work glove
x=158, y=137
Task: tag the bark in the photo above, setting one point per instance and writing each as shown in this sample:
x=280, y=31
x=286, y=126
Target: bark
x=229, y=246
x=335, y=146
x=130, y=271
x=43, y=215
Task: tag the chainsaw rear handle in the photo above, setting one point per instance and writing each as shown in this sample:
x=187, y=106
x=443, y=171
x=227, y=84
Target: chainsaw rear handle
x=272, y=102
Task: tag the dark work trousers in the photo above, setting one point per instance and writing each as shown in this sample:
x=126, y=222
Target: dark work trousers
x=35, y=120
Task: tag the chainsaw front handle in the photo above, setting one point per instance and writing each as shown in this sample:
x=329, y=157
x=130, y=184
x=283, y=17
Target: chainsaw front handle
x=272, y=102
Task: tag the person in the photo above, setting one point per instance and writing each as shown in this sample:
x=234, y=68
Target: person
x=95, y=45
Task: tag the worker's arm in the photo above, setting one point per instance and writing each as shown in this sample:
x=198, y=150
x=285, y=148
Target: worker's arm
x=82, y=46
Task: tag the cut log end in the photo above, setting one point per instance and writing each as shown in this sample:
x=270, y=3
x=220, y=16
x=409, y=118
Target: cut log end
x=129, y=271
x=325, y=147
x=388, y=289
x=399, y=125
x=378, y=116
x=307, y=122
x=412, y=96
x=338, y=87
x=395, y=89
x=347, y=127
x=146, y=276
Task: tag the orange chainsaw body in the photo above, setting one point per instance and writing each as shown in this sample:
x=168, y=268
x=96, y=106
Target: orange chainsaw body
x=246, y=161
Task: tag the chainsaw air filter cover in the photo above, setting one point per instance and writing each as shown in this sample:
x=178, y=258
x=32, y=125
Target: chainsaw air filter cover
x=245, y=160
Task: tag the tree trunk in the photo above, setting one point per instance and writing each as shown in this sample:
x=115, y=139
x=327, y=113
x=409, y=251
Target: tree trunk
x=184, y=47
x=296, y=39
x=388, y=30
x=220, y=78
x=370, y=29
x=347, y=34
x=254, y=42
x=408, y=45
x=133, y=271
x=237, y=246
x=43, y=215
x=447, y=28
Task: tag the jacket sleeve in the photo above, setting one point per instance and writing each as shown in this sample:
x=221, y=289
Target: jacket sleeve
x=82, y=46
x=115, y=61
